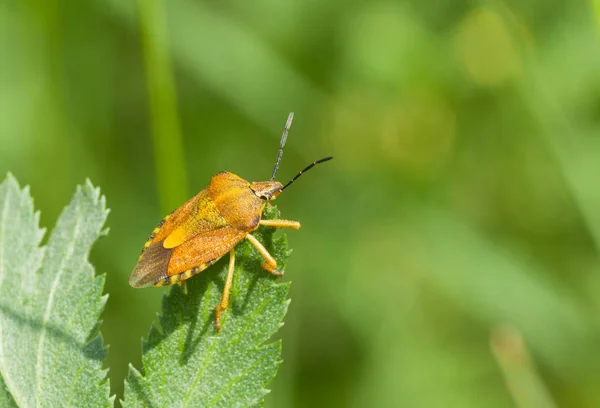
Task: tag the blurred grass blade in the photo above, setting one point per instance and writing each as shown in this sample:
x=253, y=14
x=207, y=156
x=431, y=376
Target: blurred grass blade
x=169, y=160
x=50, y=351
x=186, y=363
x=497, y=284
x=522, y=379
x=596, y=7
x=225, y=56
x=576, y=157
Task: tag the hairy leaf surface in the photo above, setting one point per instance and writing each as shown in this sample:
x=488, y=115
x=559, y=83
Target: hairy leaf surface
x=51, y=353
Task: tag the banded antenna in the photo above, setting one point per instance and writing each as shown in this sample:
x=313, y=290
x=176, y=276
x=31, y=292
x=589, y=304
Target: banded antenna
x=288, y=124
x=307, y=168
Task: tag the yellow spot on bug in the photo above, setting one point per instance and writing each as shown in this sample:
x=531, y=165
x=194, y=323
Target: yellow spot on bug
x=174, y=239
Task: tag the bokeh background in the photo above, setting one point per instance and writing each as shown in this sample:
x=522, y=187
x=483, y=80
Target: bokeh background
x=449, y=255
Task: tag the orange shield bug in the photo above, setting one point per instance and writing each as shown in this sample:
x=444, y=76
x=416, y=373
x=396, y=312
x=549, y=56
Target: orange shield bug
x=210, y=225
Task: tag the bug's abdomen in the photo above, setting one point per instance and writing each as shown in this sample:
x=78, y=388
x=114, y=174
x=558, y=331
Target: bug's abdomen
x=170, y=280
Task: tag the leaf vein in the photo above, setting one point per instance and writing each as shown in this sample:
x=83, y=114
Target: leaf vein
x=50, y=303
x=68, y=324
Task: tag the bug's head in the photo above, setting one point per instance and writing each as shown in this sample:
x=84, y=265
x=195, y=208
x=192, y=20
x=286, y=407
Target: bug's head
x=267, y=190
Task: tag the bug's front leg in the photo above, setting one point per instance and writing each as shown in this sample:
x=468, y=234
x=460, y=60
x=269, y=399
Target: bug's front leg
x=270, y=263
x=280, y=224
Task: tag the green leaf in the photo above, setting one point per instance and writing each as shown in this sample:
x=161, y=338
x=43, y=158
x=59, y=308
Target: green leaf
x=51, y=353
x=187, y=363
x=6, y=399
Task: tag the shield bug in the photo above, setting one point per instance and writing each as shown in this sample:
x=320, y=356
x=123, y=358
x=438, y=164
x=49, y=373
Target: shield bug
x=210, y=225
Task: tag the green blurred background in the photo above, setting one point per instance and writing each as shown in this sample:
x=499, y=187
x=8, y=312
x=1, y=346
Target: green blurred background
x=449, y=254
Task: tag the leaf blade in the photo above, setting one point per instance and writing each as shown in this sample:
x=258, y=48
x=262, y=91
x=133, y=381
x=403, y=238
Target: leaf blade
x=51, y=354
x=187, y=363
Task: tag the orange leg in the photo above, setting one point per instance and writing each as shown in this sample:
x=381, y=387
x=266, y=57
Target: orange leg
x=280, y=224
x=270, y=263
x=226, y=290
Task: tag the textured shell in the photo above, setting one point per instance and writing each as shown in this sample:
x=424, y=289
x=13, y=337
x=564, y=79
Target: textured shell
x=199, y=232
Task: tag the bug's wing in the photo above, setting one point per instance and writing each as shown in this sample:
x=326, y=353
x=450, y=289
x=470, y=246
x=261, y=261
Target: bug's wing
x=203, y=218
x=158, y=262
x=197, y=215
x=204, y=249
x=152, y=266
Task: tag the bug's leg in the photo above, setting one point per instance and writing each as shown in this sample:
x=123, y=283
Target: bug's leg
x=280, y=224
x=270, y=264
x=226, y=290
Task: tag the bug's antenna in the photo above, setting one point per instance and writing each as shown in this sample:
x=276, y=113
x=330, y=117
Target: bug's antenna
x=310, y=166
x=282, y=143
